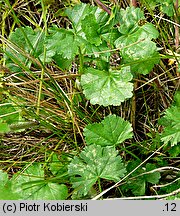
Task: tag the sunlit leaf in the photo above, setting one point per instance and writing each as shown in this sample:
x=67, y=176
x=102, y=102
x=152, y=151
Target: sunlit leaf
x=107, y=87
x=113, y=130
x=62, y=42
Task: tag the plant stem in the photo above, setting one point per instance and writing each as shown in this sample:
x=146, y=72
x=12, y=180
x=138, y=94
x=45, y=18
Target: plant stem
x=103, y=6
x=81, y=62
x=99, y=185
x=133, y=107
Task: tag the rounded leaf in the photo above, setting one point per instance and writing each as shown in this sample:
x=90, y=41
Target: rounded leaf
x=95, y=162
x=107, y=87
x=113, y=130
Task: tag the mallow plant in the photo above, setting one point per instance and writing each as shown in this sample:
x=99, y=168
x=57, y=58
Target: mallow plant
x=90, y=40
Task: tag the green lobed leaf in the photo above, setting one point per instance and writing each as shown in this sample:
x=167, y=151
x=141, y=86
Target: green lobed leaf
x=167, y=7
x=85, y=34
x=5, y=185
x=138, y=187
x=59, y=167
x=90, y=27
x=153, y=177
x=95, y=162
x=139, y=184
x=62, y=62
x=28, y=41
x=137, y=49
x=171, y=121
x=58, y=46
x=62, y=42
x=107, y=87
x=111, y=36
x=112, y=131
x=174, y=151
x=9, y=113
x=95, y=51
x=33, y=41
x=31, y=185
x=141, y=57
x=79, y=13
x=129, y=19
x=88, y=24
x=172, y=135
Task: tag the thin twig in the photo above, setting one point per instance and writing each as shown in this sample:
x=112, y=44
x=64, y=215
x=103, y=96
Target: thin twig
x=116, y=49
x=45, y=79
x=165, y=185
x=103, y=6
x=158, y=170
x=174, y=23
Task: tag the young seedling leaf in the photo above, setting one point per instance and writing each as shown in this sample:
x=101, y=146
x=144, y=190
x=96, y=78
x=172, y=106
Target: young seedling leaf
x=112, y=131
x=107, y=87
x=31, y=185
x=93, y=163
